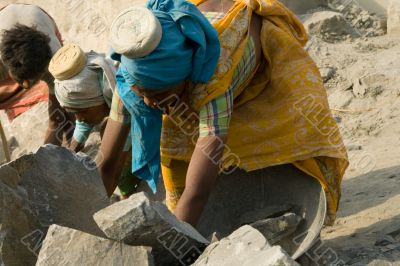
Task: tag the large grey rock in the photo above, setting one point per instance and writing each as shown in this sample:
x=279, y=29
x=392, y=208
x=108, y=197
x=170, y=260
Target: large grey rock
x=62, y=187
x=244, y=247
x=393, y=22
x=51, y=186
x=65, y=246
x=139, y=221
x=20, y=231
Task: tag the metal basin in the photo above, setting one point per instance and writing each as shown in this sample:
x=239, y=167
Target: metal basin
x=241, y=192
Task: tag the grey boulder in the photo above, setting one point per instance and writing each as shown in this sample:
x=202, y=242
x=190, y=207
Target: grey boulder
x=139, y=221
x=65, y=246
x=244, y=247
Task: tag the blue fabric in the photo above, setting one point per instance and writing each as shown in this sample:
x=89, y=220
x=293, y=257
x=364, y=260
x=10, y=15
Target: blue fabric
x=145, y=133
x=189, y=48
x=82, y=131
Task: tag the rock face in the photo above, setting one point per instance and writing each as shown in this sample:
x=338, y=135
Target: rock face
x=17, y=225
x=139, y=221
x=53, y=186
x=393, y=22
x=65, y=246
x=62, y=188
x=244, y=247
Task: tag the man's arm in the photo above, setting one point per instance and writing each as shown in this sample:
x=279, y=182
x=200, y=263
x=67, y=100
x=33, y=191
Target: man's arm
x=111, y=157
x=200, y=179
x=76, y=146
x=60, y=122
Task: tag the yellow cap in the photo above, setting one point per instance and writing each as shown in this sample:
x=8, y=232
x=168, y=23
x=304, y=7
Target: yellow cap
x=67, y=62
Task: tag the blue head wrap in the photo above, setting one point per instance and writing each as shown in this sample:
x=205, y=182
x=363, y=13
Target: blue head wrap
x=189, y=50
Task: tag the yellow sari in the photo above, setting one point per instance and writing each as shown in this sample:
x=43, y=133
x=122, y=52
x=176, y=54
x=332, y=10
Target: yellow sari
x=281, y=116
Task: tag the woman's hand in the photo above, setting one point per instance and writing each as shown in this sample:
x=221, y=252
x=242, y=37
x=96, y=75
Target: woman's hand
x=111, y=157
x=200, y=179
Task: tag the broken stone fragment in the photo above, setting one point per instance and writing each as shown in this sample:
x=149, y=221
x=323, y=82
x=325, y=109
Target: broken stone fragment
x=264, y=213
x=327, y=73
x=275, y=229
x=139, y=221
x=65, y=246
x=244, y=247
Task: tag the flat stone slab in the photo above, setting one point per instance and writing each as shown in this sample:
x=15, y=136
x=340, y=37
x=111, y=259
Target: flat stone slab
x=244, y=247
x=65, y=246
x=139, y=221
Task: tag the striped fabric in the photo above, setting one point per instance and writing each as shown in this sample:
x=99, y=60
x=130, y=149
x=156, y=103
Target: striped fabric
x=215, y=116
x=118, y=112
x=213, y=16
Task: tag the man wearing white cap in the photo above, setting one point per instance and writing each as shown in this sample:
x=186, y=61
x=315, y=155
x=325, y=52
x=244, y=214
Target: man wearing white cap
x=84, y=85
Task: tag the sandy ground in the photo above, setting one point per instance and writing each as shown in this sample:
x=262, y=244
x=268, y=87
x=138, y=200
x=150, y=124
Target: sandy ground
x=363, y=84
x=364, y=93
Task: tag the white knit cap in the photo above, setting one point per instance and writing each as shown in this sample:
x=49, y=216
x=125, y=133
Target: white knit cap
x=136, y=32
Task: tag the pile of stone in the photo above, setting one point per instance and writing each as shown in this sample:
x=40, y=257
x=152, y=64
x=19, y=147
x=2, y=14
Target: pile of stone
x=365, y=23
x=330, y=26
x=142, y=232
x=54, y=211
x=341, y=20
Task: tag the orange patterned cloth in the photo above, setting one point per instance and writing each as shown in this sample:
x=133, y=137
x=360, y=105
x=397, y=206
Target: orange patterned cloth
x=21, y=100
x=280, y=116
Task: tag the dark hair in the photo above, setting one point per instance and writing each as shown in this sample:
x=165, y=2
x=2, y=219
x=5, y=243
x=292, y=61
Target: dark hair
x=26, y=52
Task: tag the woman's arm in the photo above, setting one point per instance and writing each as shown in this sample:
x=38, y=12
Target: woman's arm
x=200, y=179
x=111, y=157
